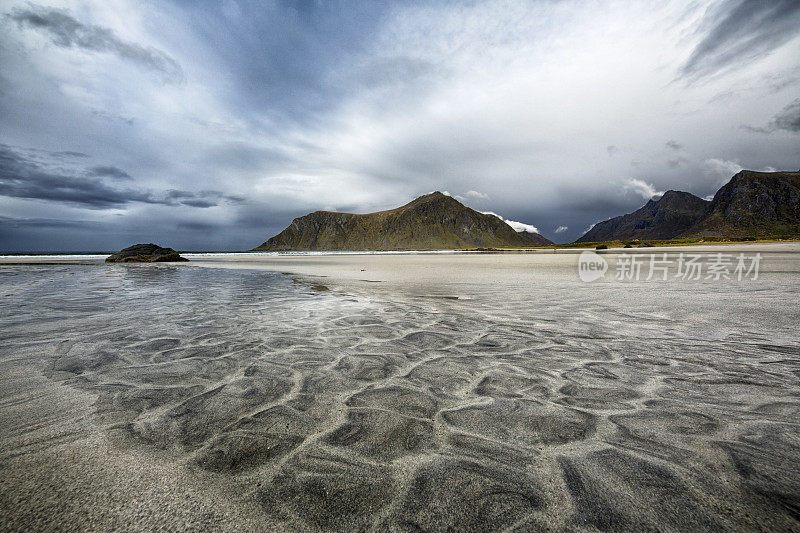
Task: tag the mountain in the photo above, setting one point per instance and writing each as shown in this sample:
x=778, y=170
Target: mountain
x=665, y=218
x=431, y=222
x=535, y=238
x=753, y=204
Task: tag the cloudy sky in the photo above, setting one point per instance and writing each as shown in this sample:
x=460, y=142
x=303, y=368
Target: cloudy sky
x=210, y=125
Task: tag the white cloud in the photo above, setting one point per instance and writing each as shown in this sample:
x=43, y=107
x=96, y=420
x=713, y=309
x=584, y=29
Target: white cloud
x=471, y=195
x=561, y=229
x=720, y=169
x=476, y=195
x=642, y=188
x=521, y=226
x=516, y=226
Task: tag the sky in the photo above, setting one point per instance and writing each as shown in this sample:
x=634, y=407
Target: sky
x=208, y=125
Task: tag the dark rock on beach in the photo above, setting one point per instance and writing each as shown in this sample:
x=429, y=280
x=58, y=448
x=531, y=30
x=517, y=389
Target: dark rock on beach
x=145, y=253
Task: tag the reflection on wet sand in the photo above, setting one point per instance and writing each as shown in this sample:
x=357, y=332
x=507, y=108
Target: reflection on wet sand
x=253, y=401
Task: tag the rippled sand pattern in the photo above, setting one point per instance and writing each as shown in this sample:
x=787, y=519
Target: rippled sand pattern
x=569, y=406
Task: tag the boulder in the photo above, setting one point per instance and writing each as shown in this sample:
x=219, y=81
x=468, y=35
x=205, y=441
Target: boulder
x=145, y=253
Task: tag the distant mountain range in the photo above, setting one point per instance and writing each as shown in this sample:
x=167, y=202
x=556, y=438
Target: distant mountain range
x=751, y=204
x=431, y=222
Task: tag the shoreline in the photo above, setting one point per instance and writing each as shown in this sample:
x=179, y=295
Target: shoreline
x=437, y=274
x=93, y=258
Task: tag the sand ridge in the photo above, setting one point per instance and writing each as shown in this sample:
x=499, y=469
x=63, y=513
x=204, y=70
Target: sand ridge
x=506, y=405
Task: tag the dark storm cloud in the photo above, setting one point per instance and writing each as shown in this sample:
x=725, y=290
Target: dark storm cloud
x=112, y=117
x=577, y=212
x=67, y=32
x=173, y=194
x=39, y=154
x=7, y=223
x=195, y=225
x=285, y=56
x=200, y=203
x=111, y=172
x=202, y=199
x=789, y=118
x=675, y=145
x=740, y=31
x=268, y=219
x=19, y=234
x=22, y=177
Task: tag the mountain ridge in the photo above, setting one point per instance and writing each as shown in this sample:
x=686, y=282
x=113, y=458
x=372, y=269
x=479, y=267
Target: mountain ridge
x=433, y=221
x=673, y=213
x=751, y=204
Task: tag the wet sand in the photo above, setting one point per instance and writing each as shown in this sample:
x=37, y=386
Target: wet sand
x=434, y=392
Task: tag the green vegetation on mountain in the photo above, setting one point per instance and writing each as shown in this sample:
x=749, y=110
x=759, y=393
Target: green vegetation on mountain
x=431, y=222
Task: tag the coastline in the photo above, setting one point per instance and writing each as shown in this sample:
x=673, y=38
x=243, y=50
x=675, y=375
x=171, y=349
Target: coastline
x=70, y=257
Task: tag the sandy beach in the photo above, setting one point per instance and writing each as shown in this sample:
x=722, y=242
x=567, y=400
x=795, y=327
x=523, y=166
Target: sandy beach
x=402, y=392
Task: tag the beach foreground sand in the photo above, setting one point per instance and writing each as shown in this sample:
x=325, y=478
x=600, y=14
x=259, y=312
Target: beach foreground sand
x=430, y=392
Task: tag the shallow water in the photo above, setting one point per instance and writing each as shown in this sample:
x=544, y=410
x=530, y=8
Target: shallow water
x=534, y=401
